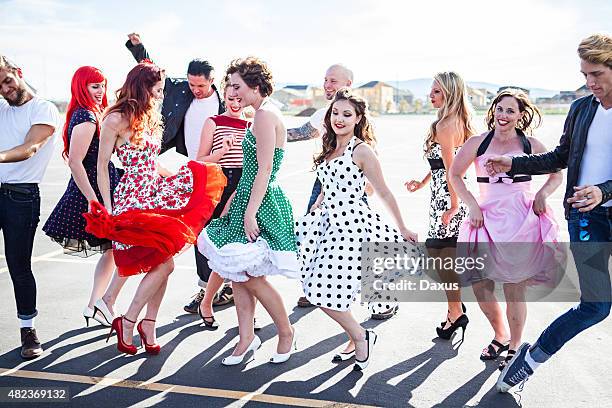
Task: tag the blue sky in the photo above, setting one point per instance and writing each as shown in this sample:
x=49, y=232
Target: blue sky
x=524, y=42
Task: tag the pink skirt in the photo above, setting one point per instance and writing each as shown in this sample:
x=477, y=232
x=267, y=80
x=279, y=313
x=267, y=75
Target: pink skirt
x=517, y=245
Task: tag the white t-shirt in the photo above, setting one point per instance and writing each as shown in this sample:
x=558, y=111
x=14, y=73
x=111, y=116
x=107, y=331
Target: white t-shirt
x=317, y=119
x=15, y=123
x=199, y=110
x=596, y=167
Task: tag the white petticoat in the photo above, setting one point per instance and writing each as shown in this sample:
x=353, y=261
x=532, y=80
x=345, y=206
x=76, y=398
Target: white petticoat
x=237, y=262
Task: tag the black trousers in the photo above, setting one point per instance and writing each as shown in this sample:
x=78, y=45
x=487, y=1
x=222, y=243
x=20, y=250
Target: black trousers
x=233, y=177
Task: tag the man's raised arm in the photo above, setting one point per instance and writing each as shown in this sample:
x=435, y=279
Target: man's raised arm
x=136, y=47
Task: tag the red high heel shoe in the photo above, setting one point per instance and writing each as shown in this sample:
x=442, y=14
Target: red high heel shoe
x=117, y=326
x=149, y=348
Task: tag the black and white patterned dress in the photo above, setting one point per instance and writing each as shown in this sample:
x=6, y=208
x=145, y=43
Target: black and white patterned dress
x=329, y=238
x=439, y=234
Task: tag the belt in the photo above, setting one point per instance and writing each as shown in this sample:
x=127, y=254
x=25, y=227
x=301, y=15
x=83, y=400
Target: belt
x=23, y=188
x=493, y=180
x=436, y=164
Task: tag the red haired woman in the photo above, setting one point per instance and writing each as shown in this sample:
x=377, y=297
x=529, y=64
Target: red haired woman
x=66, y=224
x=154, y=214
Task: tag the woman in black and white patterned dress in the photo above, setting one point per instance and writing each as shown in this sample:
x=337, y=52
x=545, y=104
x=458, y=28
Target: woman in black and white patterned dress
x=330, y=237
x=446, y=135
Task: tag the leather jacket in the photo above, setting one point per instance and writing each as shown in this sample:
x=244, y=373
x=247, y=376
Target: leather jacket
x=177, y=98
x=568, y=154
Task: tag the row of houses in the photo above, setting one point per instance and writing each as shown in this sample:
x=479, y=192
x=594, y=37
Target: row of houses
x=381, y=98
x=564, y=97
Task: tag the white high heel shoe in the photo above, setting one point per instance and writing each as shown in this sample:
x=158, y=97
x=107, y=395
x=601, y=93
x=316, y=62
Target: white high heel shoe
x=361, y=365
x=235, y=360
x=278, y=358
x=88, y=313
x=102, y=314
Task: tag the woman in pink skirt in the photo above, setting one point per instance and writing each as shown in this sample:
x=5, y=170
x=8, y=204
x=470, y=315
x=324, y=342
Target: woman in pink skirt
x=507, y=220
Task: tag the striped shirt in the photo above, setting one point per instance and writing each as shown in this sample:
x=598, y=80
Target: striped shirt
x=229, y=127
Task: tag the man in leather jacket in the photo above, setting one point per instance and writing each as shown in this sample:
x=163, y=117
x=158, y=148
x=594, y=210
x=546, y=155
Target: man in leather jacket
x=187, y=104
x=179, y=95
x=585, y=149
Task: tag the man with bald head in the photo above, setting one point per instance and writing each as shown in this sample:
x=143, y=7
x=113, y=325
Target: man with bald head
x=336, y=77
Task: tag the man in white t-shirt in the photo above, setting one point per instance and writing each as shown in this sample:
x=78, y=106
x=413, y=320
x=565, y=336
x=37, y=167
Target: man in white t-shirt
x=27, y=134
x=336, y=77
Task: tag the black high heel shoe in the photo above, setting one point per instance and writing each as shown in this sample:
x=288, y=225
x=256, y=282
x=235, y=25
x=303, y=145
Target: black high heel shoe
x=209, y=321
x=463, y=309
x=462, y=321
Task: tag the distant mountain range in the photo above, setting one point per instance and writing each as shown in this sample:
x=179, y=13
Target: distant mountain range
x=420, y=87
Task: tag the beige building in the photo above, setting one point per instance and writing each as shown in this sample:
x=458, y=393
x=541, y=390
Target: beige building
x=480, y=97
x=379, y=96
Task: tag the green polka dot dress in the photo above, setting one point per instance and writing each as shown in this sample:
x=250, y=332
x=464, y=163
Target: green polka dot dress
x=224, y=242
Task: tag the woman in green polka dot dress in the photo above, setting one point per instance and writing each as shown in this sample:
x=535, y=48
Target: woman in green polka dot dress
x=254, y=237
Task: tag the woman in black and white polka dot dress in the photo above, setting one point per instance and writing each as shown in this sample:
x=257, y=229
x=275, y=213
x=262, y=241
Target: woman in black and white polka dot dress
x=330, y=237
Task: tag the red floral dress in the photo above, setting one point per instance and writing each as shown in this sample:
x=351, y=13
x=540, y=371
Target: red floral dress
x=155, y=217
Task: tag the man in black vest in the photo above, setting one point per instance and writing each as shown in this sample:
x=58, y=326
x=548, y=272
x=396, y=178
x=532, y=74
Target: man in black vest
x=187, y=104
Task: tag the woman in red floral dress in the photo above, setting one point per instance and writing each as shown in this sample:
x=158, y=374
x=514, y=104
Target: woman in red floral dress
x=155, y=214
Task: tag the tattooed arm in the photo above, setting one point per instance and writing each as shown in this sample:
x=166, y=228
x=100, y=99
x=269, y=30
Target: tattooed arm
x=305, y=132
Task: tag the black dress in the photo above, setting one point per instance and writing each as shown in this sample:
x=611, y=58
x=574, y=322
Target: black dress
x=66, y=224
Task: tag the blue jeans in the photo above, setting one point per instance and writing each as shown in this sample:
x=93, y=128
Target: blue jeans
x=316, y=190
x=19, y=217
x=596, y=296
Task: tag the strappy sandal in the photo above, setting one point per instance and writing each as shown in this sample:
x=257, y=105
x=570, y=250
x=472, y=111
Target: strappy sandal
x=209, y=321
x=491, y=352
x=507, y=360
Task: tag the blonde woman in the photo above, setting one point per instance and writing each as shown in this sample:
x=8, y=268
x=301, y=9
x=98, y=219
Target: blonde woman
x=447, y=133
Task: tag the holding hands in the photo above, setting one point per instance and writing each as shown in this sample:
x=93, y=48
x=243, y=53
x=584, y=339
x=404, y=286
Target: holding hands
x=498, y=164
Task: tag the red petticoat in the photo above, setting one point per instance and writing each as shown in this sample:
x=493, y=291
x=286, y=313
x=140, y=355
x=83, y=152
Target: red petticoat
x=156, y=235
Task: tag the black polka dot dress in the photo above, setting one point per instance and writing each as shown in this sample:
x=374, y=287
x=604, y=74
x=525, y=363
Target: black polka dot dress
x=66, y=224
x=330, y=238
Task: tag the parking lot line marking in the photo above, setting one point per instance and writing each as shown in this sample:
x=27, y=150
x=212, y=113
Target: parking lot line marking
x=172, y=388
